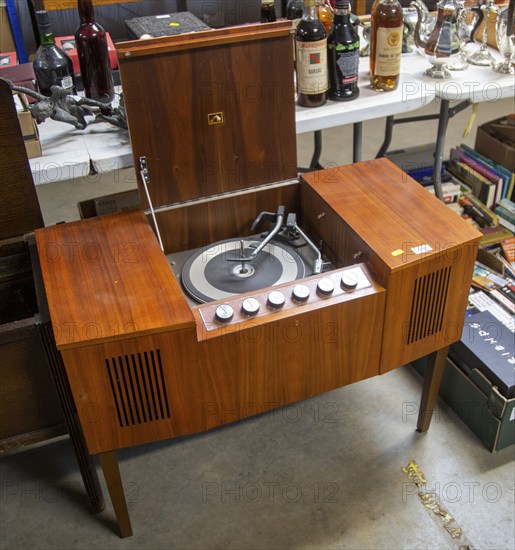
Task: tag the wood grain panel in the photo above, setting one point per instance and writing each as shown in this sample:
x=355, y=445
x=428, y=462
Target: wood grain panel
x=406, y=340
x=249, y=82
x=106, y=278
x=19, y=206
x=199, y=224
x=97, y=395
x=286, y=359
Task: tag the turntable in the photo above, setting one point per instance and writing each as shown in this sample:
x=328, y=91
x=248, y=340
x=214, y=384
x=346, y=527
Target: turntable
x=241, y=284
x=230, y=267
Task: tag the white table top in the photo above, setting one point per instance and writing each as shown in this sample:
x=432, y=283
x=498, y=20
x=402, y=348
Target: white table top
x=70, y=153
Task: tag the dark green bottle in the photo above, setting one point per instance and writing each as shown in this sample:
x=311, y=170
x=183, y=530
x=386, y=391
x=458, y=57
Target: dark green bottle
x=52, y=66
x=343, y=55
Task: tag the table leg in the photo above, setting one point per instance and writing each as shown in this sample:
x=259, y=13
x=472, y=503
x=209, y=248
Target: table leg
x=109, y=463
x=315, y=160
x=357, y=139
x=434, y=372
x=388, y=133
x=443, y=122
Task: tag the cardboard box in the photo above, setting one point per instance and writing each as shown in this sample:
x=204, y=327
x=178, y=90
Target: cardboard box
x=494, y=145
x=109, y=204
x=6, y=37
x=474, y=399
x=29, y=127
x=67, y=43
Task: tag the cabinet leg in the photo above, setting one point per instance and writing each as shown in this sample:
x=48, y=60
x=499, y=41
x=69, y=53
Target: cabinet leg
x=434, y=372
x=109, y=463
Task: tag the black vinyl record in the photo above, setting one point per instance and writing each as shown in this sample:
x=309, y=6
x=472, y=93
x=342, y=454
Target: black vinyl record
x=212, y=274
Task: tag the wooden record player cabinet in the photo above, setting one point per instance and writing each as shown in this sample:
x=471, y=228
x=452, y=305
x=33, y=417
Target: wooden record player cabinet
x=211, y=116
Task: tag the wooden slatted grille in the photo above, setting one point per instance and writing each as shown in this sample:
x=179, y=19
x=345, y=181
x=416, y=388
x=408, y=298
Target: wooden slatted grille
x=138, y=386
x=428, y=304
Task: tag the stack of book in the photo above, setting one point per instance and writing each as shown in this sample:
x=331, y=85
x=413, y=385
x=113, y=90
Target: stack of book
x=488, y=181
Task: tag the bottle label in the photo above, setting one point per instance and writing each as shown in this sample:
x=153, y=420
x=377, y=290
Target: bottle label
x=67, y=82
x=312, y=67
x=388, y=51
x=347, y=61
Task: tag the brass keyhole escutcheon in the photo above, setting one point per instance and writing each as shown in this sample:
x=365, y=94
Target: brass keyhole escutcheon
x=215, y=118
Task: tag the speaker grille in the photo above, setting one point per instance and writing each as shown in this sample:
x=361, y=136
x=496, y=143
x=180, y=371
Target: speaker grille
x=428, y=304
x=138, y=387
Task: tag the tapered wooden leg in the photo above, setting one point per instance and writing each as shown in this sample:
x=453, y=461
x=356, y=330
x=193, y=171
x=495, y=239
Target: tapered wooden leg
x=434, y=372
x=109, y=463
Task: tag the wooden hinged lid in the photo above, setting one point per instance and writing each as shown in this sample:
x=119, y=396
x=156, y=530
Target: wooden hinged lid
x=19, y=206
x=213, y=111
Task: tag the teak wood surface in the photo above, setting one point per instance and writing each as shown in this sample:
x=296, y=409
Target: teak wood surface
x=107, y=278
x=174, y=96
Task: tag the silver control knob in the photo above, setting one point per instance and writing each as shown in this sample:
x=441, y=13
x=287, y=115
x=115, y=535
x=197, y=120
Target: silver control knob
x=250, y=306
x=300, y=293
x=224, y=313
x=325, y=286
x=276, y=299
x=349, y=281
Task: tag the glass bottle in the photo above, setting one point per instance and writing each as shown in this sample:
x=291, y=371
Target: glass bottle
x=311, y=50
x=386, y=45
x=343, y=55
x=325, y=14
x=52, y=66
x=268, y=14
x=294, y=10
x=95, y=67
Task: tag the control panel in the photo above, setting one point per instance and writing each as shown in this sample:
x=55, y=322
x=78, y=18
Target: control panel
x=288, y=296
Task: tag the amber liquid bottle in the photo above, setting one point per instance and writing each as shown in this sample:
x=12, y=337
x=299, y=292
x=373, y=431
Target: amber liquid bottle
x=95, y=67
x=325, y=14
x=311, y=52
x=386, y=45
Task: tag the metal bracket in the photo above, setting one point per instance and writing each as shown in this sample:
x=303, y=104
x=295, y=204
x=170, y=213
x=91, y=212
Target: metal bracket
x=143, y=171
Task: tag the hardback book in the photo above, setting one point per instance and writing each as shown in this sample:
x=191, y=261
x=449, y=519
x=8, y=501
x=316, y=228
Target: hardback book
x=457, y=153
x=507, y=175
x=482, y=188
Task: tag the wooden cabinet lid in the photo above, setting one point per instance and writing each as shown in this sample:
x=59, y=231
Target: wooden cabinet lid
x=212, y=111
x=106, y=278
x=397, y=218
x=19, y=206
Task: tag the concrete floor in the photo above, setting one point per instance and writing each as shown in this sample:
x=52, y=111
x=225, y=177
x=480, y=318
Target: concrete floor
x=323, y=473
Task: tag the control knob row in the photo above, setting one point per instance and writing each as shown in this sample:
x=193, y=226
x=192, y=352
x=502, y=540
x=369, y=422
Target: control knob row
x=276, y=299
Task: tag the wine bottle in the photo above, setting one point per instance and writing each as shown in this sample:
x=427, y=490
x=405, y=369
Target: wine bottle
x=343, y=55
x=311, y=50
x=95, y=67
x=294, y=10
x=52, y=66
x=386, y=45
x=268, y=14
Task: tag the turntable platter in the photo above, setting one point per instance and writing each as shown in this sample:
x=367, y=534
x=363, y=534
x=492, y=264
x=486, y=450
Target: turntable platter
x=213, y=273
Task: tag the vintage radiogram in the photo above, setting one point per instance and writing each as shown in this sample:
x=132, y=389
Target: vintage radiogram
x=268, y=289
